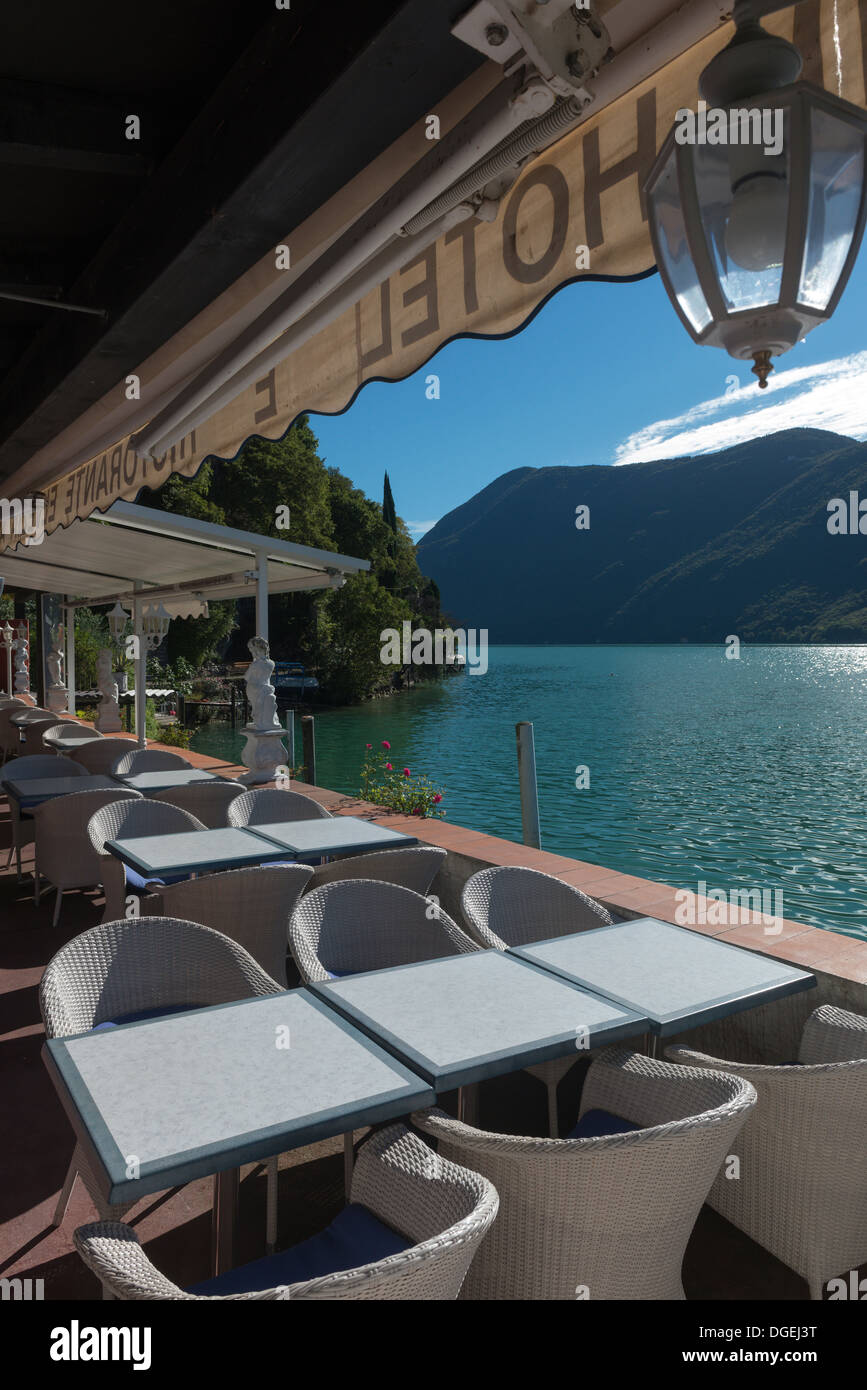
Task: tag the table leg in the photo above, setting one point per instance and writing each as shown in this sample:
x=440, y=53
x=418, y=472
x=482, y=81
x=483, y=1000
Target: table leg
x=653, y=1048
x=348, y=1162
x=468, y=1104
x=224, y=1219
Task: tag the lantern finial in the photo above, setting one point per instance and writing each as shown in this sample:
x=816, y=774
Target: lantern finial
x=764, y=366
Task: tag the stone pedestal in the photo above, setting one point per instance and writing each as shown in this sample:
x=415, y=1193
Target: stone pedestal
x=263, y=754
x=56, y=699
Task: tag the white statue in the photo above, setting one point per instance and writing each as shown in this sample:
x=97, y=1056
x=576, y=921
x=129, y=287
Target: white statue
x=55, y=694
x=260, y=691
x=108, y=710
x=21, y=647
x=264, y=751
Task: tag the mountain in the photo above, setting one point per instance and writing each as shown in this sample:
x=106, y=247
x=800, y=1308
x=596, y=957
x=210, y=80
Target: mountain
x=691, y=549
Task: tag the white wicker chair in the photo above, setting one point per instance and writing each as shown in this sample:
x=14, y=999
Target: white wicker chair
x=147, y=760
x=512, y=906
x=99, y=755
x=129, y=820
x=802, y=1191
x=27, y=769
x=445, y=1210
x=64, y=853
x=70, y=728
x=414, y=868
x=126, y=967
x=209, y=802
x=345, y=927
x=250, y=906
x=266, y=805
x=607, y=1217
x=31, y=742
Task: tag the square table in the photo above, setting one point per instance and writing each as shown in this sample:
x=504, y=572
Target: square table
x=194, y=851
x=461, y=1019
x=678, y=978
x=32, y=791
x=337, y=835
x=149, y=782
x=181, y=1097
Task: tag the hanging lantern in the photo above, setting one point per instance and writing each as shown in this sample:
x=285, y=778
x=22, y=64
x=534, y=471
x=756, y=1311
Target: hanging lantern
x=117, y=620
x=757, y=201
x=155, y=624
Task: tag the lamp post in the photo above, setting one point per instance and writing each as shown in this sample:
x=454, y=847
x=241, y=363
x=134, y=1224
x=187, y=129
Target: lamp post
x=757, y=202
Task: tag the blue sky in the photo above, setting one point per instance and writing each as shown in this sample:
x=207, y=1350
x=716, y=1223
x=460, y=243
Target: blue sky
x=604, y=374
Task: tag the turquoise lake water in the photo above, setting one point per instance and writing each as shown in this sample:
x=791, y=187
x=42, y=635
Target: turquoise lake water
x=747, y=774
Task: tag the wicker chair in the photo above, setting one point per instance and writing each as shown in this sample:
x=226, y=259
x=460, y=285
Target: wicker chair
x=32, y=731
x=414, y=868
x=346, y=927
x=64, y=851
x=70, y=728
x=209, y=802
x=147, y=760
x=250, y=906
x=99, y=755
x=128, y=820
x=513, y=906
x=26, y=769
x=802, y=1192
x=269, y=804
x=10, y=737
x=443, y=1209
x=133, y=966
x=606, y=1217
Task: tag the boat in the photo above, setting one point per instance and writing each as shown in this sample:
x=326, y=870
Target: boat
x=291, y=676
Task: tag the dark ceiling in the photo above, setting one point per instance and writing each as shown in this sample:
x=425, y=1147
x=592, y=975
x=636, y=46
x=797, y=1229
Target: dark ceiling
x=251, y=117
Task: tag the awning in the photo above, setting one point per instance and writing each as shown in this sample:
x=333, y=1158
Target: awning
x=115, y=558
x=480, y=278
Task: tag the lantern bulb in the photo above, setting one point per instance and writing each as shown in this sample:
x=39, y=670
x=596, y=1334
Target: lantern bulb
x=755, y=236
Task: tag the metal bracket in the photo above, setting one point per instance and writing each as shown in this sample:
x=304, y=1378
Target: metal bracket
x=566, y=43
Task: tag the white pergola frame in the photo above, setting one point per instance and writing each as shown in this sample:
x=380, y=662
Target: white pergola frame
x=193, y=560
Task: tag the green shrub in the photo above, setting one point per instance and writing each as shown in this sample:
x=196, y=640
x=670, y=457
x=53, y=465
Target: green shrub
x=385, y=785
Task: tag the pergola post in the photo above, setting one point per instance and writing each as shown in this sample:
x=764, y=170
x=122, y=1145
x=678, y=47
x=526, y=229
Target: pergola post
x=141, y=697
x=69, y=625
x=262, y=594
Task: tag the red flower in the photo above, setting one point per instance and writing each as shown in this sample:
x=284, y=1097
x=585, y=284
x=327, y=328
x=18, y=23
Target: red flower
x=388, y=767
x=385, y=743
x=438, y=798
x=368, y=745
x=406, y=772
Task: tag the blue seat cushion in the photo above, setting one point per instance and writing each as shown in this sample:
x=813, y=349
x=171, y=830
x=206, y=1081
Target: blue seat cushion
x=355, y=1237
x=598, y=1122
x=142, y=1014
x=146, y=885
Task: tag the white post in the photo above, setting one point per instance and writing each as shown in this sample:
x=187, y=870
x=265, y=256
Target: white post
x=140, y=671
x=69, y=623
x=261, y=594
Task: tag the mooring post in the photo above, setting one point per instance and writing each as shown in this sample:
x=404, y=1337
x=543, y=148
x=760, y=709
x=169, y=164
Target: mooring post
x=308, y=740
x=527, y=780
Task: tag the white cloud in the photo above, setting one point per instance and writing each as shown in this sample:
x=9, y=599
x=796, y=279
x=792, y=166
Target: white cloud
x=829, y=396
x=418, y=528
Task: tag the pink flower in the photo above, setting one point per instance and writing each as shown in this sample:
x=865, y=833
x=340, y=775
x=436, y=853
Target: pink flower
x=406, y=772
x=388, y=767
x=438, y=798
x=368, y=745
x=385, y=743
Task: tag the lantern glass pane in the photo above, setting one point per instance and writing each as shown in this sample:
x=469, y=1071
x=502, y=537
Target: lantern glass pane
x=743, y=197
x=836, y=186
x=677, y=265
